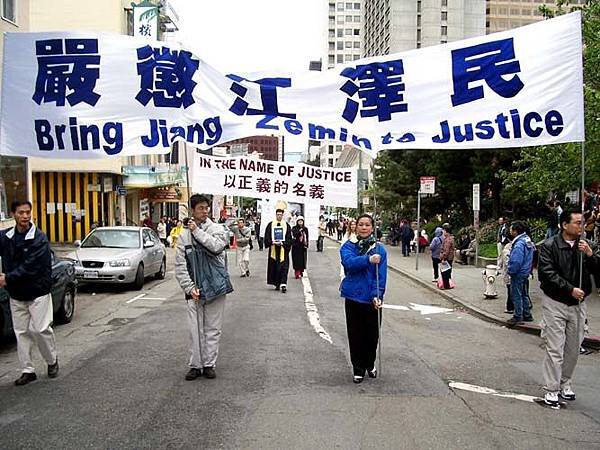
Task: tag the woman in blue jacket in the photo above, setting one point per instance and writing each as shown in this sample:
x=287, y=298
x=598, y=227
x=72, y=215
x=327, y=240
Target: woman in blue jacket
x=361, y=261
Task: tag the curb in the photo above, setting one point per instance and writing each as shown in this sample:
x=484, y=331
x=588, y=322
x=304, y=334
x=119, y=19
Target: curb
x=588, y=341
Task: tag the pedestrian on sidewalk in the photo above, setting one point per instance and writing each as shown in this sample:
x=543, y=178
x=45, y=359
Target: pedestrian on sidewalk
x=503, y=270
x=406, y=235
x=201, y=271
x=278, y=240
x=340, y=229
x=349, y=236
x=563, y=302
x=447, y=255
x=365, y=264
x=243, y=235
x=27, y=277
x=502, y=236
x=259, y=238
x=161, y=230
x=436, y=249
x=322, y=233
x=299, y=247
x=519, y=268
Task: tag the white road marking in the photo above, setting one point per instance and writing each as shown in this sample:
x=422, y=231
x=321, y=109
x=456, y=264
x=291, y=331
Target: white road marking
x=490, y=391
x=311, y=309
x=397, y=307
x=428, y=309
x=138, y=297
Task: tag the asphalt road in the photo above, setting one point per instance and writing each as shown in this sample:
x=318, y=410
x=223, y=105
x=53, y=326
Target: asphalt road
x=284, y=382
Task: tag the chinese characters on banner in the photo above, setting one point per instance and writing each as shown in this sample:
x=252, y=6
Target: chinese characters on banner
x=145, y=22
x=294, y=183
x=82, y=95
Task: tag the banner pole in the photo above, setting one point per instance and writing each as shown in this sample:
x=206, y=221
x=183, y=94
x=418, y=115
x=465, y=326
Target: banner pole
x=582, y=212
x=418, y=227
x=379, y=311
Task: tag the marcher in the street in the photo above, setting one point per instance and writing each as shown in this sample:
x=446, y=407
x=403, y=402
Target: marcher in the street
x=349, y=236
x=175, y=232
x=555, y=210
x=278, y=240
x=259, y=238
x=27, y=277
x=161, y=230
x=243, y=235
x=436, y=249
x=563, y=302
x=299, y=247
x=447, y=254
x=503, y=270
x=519, y=268
x=322, y=233
x=201, y=271
x=340, y=229
x=365, y=265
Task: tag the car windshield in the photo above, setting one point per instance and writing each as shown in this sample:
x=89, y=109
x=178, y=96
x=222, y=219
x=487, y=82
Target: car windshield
x=112, y=239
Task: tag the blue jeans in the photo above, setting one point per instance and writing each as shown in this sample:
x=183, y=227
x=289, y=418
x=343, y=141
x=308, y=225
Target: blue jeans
x=519, y=289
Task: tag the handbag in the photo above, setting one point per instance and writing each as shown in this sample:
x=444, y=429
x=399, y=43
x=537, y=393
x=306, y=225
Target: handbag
x=440, y=283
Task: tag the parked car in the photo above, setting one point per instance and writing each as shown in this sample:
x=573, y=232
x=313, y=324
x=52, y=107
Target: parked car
x=64, y=288
x=120, y=255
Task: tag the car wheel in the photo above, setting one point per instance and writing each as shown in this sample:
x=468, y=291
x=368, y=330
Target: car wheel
x=138, y=284
x=160, y=275
x=66, y=311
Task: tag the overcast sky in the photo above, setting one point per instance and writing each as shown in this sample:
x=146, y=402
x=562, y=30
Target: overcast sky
x=254, y=35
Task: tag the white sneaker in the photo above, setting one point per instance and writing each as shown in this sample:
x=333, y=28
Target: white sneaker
x=567, y=393
x=434, y=280
x=551, y=399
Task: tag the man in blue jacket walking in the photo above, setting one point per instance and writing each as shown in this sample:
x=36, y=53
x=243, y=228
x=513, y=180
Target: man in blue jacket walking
x=27, y=276
x=519, y=268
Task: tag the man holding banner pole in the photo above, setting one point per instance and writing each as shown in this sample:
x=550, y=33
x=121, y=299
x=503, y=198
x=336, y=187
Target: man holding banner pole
x=278, y=241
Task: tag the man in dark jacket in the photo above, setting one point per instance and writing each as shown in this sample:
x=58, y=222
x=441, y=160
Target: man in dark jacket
x=27, y=276
x=406, y=235
x=563, y=307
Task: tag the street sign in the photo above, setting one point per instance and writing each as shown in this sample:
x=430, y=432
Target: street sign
x=365, y=201
x=427, y=185
x=121, y=190
x=476, y=197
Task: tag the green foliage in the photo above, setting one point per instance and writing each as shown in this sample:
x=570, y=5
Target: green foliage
x=488, y=250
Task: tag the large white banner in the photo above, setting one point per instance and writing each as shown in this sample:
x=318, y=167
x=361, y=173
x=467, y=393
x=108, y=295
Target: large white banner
x=89, y=95
x=258, y=178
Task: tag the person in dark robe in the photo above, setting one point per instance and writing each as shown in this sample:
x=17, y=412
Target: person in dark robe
x=299, y=246
x=278, y=240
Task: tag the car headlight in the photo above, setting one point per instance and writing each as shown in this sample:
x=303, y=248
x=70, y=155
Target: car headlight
x=120, y=263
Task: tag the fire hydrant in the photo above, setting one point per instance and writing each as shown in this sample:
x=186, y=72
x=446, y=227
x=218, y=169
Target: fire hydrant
x=490, y=273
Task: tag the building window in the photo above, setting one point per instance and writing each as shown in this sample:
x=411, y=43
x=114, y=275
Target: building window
x=338, y=148
x=348, y=5
x=443, y=41
x=356, y=19
x=444, y=2
x=348, y=57
x=340, y=45
x=331, y=33
x=340, y=32
x=419, y=35
x=419, y=6
x=444, y=15
x=348, y=32
x=348, y=18
x=331, y=149
x=9, y=10
x=340, y=6
x=357, y=44
x=331, y=164
x=331, y=46
x=340, y=58
x=13, y=183
x=419, y=20
x=340, y=20
x=332, y=7
x=356, y=57
x=356, y=32
x=348, y=44
x=444, y=30
x=357, y=6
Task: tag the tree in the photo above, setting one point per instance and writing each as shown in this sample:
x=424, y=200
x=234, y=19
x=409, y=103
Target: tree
x=556, y=168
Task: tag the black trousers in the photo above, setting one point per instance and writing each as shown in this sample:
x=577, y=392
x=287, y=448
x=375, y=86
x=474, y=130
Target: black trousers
x=436, y=266
x=363, y=335
x=447, y=275
x=320, y=243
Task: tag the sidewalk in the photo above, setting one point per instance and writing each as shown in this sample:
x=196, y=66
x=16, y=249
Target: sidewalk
x=468, y=293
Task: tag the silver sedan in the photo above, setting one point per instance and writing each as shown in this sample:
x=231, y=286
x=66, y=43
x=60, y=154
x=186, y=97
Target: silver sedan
x=120, y=255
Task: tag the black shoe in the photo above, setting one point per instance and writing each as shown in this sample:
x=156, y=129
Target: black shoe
x=276, y=288
x=528, y=319
x=372, y=373
x=284, y=289
x=243, y=275
x=513, y=321
x=247, y=273
x=193, y=373
x=209, y=372
x=25, y=378
x=53, y=369
x=509, y=311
